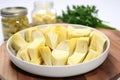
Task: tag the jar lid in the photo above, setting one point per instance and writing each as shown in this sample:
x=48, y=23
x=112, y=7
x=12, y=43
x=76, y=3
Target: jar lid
x=13, y=11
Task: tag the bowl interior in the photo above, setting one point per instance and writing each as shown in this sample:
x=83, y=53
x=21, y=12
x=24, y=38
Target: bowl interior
x=61, y=70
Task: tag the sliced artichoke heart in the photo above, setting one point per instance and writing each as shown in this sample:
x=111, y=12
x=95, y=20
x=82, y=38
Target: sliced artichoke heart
x=59, y=57
x=52, y=39
x=60, y=53
x=72, y=45
x=62, y=32
x=23, y=53
x=37, y=34
x=76, y=33
x=64, y=45
x=76, y=58
x=33, y=50
x=80, y=51
x=28, y=34
x=91, y=55
x=17, y=42
x=46, y=55
x=97, y=42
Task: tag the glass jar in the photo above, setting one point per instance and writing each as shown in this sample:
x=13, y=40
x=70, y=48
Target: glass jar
x=43, y=13
x=13, y=19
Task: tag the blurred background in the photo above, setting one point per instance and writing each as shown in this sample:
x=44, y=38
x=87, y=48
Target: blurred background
x=109, y=10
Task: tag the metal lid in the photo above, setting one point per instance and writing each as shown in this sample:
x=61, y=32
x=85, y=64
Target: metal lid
x=13, y=11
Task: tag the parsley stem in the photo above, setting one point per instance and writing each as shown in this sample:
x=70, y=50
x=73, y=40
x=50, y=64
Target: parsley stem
x=101, y=25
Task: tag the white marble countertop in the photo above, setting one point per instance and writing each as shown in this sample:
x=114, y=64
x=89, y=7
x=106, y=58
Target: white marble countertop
x=109, y=10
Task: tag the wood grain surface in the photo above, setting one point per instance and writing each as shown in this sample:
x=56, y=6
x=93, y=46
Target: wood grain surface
x=109, y=70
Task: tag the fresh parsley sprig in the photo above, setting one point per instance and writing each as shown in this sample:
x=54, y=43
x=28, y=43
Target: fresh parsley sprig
x=85, y=15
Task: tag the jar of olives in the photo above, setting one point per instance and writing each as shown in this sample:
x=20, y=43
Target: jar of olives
x=13, y=19
x=43, y=13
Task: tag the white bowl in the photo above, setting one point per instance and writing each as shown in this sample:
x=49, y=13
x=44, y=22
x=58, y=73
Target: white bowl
x=59, y=71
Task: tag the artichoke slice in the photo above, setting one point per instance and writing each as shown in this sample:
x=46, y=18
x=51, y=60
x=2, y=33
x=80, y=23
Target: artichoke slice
x=97, y=42
x=80, y=51
x=33, y=51
x=17, y=42
x=46, y=55
x=60, y=53
x=76, y=33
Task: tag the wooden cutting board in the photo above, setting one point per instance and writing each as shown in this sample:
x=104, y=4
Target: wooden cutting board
x=109, y=70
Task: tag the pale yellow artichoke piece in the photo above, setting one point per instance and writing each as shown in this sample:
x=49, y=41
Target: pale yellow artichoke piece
x=76, y=58
x=48, y=41
x=25, y=55
x=82, y=32
x=33, y=33
x=67, y=45
x=64, y=45
x=43, y=30
x=46, y=55
x=62, y=31
x=76, y=32
x=46, y=30
x=18, y=55
x=59, y=57
x=91, y=55
x=52, y=39
x=36, y=60
x=60, y=53
x=37, y=34
x=33, y=51
x=28, y=34
x=72, y=45
x=70, y=29
x=48, y=33
x=17, y=42
x=23, y=51
x=97, y=42
x=80, y=51
x=54, y=35
x=82, y=45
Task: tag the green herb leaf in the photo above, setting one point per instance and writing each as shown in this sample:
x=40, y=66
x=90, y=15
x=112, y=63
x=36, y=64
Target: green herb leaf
x=85, y=15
